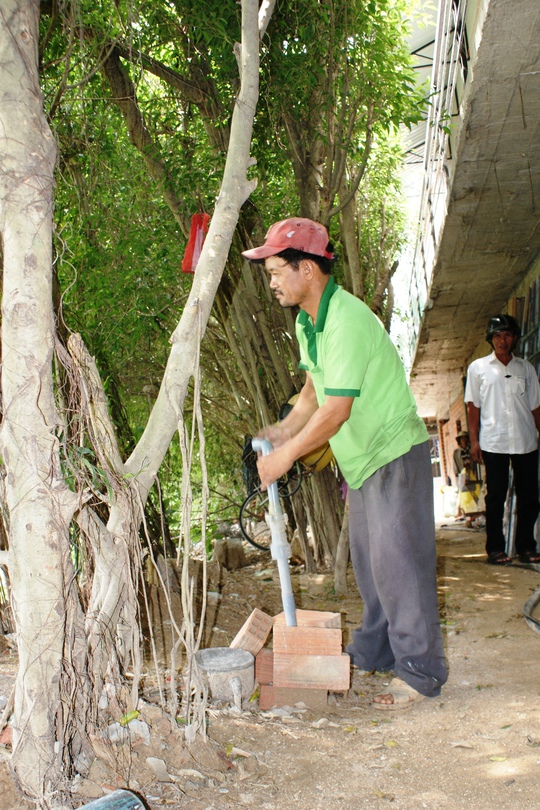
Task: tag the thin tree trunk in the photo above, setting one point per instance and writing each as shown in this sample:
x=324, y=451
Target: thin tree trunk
x=383, y=281
x=355, y=281
x=48, y=729
x=143, y=464
x=40, y=504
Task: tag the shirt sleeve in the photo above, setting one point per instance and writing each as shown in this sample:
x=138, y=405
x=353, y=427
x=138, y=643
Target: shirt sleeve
x=347, y=351
x=472, y=388
x=533, y=387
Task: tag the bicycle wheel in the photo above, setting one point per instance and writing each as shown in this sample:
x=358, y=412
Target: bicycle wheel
x=251, y=520
x=291, y=482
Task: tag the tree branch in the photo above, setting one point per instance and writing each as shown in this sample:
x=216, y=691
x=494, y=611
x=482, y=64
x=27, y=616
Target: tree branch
x=123, y=92
x=198, y=90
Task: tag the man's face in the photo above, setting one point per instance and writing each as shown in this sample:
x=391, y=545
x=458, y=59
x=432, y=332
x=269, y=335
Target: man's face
x=504, y=342
x=288, y=284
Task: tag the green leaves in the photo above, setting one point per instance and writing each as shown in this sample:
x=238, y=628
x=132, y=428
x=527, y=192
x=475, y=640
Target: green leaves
x=335, y=78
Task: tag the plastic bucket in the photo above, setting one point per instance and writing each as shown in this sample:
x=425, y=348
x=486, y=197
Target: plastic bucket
x=117, y=800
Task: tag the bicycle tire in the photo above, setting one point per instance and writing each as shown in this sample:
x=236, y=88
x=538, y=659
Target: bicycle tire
x=291, y=483
x=253, y=510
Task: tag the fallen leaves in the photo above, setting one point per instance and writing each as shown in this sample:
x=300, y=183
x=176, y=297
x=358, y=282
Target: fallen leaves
x=379, y=794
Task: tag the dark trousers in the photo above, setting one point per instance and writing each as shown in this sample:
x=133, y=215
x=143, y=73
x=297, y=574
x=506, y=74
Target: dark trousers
x=392, y=540
x=525, y=468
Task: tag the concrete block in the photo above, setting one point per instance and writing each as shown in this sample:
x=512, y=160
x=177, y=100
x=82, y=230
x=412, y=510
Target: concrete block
x=230, y=553
x=254, y=632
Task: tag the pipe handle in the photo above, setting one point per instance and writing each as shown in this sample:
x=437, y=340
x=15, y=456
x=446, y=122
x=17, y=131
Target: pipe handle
x=262, y=446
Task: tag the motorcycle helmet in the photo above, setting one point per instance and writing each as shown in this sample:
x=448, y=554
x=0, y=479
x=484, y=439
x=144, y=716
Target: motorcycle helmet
x=502, y=323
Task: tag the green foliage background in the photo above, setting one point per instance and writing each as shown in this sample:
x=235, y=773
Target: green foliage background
x=118, y=248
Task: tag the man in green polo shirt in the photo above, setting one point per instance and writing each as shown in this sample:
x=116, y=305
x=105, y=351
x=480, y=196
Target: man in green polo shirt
x=357, y=398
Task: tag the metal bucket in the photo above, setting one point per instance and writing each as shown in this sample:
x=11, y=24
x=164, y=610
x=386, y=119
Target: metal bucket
x=117, y=800
x=229, y=672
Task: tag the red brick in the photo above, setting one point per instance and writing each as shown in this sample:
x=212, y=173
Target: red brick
x=264, y=666
x=266, y=697
x=313, y=698
x=254, y=632
x=312, y=618
x=312, y=671
x=271, y=696
x=306, y=640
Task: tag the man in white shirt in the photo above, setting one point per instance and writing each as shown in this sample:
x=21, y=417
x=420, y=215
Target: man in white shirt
x=503, y=406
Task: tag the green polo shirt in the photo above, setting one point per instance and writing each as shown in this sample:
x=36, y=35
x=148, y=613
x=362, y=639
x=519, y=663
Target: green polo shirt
x=349, y=353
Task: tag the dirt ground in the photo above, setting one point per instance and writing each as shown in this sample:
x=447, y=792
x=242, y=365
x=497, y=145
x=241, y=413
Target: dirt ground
x=476, y=746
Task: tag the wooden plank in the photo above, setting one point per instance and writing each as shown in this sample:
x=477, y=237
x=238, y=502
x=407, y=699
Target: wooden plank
x=264, y=666
x=330, y=672
x=254, y=632
x=307, y=640
x=312, y=618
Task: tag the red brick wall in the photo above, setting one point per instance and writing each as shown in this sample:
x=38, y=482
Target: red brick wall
x=448, y=430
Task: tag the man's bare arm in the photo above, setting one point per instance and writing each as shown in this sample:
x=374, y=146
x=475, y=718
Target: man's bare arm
x=321, y=426
x=303, y=409
x=473, y=414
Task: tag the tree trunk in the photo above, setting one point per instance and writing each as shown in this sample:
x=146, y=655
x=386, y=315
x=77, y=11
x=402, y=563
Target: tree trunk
x=143, y=464
x=351, y=258
x=53, y=693
x=40, y=504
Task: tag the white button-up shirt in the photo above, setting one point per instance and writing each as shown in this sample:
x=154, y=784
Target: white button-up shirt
x=506, y=395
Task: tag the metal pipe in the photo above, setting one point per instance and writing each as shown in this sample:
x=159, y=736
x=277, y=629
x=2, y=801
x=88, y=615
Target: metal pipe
x=279, y=547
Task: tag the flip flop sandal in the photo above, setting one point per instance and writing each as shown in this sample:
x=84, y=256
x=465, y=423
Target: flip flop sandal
x=530, y=558
x=499, y=558
x=404, y=696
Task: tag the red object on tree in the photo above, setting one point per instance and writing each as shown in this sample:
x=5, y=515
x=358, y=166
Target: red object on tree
x=197, y=234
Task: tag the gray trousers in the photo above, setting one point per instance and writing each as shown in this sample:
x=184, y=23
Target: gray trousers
x=392, y=540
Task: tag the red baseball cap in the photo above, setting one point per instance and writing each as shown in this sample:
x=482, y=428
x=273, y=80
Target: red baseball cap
x=298, y=233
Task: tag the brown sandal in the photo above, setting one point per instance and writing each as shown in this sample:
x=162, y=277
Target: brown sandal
x=530, y=558
x=499, y=558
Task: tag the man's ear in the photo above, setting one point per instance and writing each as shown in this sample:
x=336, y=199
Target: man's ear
x=307, y=266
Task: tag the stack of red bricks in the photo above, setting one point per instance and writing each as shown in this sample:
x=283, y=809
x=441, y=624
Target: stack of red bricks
x=305, y=663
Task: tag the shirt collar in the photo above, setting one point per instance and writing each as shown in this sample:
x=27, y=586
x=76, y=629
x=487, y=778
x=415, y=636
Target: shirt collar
x=494, y=359
x=310, y=329
x=305, y=320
